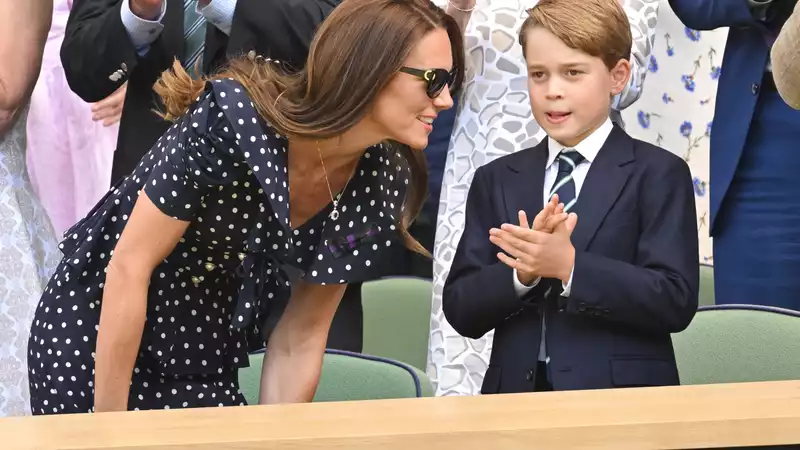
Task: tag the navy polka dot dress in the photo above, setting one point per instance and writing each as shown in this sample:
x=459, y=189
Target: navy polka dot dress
x=221, y=168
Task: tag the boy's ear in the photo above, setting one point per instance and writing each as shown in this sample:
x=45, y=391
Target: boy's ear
x=620, y=75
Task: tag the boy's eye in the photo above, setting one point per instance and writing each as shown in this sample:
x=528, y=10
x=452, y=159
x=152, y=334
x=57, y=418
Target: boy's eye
x=573, y=72
x=537, y=74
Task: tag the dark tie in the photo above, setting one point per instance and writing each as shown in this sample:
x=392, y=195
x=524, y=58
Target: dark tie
x=193, y=34
x=564, y=186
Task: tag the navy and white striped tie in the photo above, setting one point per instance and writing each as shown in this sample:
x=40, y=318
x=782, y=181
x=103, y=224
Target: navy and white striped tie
x=193, y=34
x=564, y=186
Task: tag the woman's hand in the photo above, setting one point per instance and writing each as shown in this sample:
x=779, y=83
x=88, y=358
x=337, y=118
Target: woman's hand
x=293, y=362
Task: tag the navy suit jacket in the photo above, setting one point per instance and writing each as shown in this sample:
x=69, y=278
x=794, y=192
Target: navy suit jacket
x=635, y=280
x=744, y=63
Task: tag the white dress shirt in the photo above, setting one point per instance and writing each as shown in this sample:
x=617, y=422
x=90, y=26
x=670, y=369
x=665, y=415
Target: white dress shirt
x=588, y=148
x=144, y=32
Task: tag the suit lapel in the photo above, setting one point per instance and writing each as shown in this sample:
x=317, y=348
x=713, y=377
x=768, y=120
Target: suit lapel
x=607, y=176
x=524, y=188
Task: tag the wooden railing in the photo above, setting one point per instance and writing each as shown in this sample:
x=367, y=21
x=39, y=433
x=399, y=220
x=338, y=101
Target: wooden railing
x=721, y=416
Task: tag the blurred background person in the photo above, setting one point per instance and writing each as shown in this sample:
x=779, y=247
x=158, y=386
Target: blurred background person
x=755, y=198
x=28, y=252
x=70, y=143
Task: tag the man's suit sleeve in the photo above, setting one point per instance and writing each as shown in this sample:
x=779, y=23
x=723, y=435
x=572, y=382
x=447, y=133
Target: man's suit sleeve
x=96, y=46
x=658, y=292
x=712, y=14
x=277, y=29
x=479, y=293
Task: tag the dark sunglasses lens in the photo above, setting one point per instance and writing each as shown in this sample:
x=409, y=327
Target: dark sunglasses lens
x=440, y=79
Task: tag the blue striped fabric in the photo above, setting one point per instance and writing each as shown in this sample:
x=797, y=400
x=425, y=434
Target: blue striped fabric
x=193, y=34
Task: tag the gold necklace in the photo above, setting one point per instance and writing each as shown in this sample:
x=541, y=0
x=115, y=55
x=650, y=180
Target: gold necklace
x=335, y=200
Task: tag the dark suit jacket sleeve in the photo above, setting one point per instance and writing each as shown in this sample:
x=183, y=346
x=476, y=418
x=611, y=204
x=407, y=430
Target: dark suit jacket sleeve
x=479, y=292
x=711, y=14
x=277, y=29
x=658, y=293
x=95, y=46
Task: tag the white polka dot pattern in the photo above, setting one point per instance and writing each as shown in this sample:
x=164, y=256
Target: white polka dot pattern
x=222, y=288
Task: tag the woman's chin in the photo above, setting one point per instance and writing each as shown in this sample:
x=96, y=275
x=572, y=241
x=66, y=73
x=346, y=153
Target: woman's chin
x=418, y=144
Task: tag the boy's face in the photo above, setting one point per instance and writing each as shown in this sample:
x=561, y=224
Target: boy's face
x=570, y=90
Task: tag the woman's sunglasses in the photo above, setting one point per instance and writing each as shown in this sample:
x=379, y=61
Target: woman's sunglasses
x=435, y=79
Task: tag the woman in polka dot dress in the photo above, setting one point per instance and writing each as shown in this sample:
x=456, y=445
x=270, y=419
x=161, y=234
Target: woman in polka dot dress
x=165, y=284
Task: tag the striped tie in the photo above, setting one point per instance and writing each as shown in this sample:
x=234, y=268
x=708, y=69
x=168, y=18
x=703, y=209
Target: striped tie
x=193, y=34
x=564, y=186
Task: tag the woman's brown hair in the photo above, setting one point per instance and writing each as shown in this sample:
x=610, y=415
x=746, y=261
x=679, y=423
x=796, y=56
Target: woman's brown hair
x=355, y=53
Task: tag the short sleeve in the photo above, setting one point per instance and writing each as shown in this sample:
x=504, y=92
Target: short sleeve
x=196, y=155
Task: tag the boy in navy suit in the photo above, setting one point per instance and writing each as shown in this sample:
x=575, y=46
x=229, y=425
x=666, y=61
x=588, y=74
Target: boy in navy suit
x=588, y=295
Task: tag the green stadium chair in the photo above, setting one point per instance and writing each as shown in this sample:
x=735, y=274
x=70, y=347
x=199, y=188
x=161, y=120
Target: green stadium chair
x=350, y=376
x=739, y=343
x=397, y=317
x=706, y=285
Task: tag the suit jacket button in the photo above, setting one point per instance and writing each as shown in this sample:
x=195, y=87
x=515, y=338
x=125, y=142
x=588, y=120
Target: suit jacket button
x=582, y=307
x=529, y=375
x=754, y=89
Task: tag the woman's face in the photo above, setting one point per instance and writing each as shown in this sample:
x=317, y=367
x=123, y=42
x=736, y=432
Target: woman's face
x=403, y=111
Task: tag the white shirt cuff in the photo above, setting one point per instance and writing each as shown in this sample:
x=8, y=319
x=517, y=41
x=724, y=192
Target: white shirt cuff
x=568, y=287
x=220, y=14
x=522, y=289
x=141, y=32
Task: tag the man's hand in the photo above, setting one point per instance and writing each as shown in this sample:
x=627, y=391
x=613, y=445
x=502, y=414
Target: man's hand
x=109, y=109
x=551, y=216
x=147, y=9
x=536, y=252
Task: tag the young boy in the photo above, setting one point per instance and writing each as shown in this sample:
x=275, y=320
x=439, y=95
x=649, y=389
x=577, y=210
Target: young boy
x=588, y=296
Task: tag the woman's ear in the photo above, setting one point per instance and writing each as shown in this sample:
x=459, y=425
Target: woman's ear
x=620, y=75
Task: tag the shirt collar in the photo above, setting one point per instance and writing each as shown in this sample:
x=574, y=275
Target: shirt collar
x=588, y=148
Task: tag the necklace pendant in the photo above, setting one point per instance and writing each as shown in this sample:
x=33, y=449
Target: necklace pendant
x=334, y=214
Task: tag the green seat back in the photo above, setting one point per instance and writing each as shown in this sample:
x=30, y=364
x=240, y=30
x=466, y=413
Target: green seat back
x=739, y=343
x=397, y=318
x=350, y=376
x=706, y=285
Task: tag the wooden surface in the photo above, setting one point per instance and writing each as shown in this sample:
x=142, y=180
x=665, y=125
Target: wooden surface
x=676, y=417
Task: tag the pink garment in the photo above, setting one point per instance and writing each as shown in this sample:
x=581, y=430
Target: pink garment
x=69, y=155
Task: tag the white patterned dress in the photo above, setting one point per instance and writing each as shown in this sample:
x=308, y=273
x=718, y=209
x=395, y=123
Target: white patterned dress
x=28, y=255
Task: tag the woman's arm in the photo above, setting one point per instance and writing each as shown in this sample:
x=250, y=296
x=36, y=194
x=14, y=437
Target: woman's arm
x=293, y=362
x=460, y=11
x=148, y=237
x=23, y=32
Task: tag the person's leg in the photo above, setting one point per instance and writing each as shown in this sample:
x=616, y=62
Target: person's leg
x=757, y=232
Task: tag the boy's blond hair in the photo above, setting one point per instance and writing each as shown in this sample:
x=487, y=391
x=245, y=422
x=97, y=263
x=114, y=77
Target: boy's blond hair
x=598, y=28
